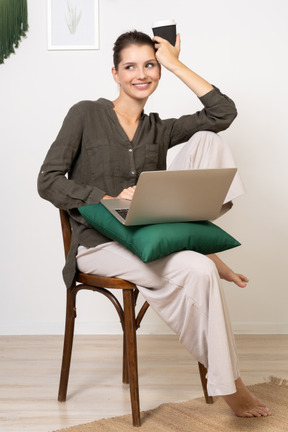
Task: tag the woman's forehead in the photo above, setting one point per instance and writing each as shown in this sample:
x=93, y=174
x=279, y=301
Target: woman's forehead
x=137, y=53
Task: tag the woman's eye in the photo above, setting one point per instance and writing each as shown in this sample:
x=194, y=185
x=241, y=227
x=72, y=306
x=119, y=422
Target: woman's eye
x=130, y=67
x=150, y=65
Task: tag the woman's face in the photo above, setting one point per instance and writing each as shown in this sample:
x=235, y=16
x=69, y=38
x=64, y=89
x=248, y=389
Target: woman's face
x=138, y=72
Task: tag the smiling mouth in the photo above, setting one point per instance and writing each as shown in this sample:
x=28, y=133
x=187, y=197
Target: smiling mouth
x=141, y=85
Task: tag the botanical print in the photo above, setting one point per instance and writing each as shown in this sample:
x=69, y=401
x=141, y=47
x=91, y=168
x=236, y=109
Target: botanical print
x=73, y=24
x=73, y=19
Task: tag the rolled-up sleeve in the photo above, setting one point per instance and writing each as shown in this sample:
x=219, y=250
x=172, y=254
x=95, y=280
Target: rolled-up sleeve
x=220, y=110
x=217, y=115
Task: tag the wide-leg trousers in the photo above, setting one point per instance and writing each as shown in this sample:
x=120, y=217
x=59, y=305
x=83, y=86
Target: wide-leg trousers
x=183, y=288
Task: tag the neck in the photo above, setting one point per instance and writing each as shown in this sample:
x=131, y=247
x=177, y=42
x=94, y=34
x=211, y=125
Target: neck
x=129, y=109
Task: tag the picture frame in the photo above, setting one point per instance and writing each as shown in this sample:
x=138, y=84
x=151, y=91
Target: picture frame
x=73, y=24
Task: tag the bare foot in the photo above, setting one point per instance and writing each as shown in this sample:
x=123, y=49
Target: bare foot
x=237, y=278
x=227, y=273
x=244, y=404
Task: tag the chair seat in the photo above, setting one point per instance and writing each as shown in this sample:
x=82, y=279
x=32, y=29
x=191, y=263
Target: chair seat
x=104, y=282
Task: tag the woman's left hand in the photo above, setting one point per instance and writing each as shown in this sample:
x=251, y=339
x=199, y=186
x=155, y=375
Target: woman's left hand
x=167, y=54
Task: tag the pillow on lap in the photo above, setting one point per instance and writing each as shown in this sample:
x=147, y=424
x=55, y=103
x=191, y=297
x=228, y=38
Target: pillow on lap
x=150, y=242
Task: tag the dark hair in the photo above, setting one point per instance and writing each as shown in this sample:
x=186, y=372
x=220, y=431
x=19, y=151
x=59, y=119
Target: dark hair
x=129, y=38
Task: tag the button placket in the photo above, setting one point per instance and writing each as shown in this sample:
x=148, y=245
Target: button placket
x=132, y=163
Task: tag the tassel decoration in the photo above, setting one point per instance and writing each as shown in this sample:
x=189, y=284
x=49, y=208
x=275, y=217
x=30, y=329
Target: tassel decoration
x=13, y=25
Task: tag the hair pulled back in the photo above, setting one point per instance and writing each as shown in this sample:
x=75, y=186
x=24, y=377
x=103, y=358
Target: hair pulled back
x=129, y=38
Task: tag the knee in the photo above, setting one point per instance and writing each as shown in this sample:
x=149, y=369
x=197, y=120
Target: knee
x=206, y=134
x=202, y=142
x=207, y=138
x=206, y=269
x=204, y=281
x=200, y=270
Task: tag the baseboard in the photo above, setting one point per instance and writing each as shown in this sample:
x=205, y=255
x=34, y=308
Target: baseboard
x=260, y=328
x=80, y=328
x=147, y=328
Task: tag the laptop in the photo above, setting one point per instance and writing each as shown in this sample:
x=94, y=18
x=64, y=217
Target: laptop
x=174, y=196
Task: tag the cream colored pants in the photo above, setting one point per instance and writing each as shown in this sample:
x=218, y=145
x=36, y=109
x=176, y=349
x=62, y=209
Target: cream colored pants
x=183, y=288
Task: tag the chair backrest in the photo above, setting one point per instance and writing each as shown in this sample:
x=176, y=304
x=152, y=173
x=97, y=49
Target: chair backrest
x=66, y=230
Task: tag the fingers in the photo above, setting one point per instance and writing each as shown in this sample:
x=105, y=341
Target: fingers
x=158, y=40
x=127, y=193
x=165, y=50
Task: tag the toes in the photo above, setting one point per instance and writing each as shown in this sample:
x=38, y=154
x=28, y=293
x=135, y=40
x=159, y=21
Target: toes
x=260, y=412
x=255, y=412
x=247, y=415
x=268, y=411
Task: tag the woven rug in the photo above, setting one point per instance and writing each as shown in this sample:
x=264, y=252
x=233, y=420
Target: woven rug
x=197, y=416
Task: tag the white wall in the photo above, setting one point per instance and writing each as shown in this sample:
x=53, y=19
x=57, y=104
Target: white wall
x=240, y=47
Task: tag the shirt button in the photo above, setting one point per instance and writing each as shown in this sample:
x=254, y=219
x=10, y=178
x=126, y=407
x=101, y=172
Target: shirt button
x=132, y=172
x=130, y=150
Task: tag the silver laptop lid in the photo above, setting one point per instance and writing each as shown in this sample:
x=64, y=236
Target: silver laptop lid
x=177, y=196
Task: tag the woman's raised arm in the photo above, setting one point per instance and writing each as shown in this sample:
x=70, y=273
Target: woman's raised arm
x=168, y=56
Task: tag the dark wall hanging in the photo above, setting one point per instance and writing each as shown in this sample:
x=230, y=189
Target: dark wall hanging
x=13, y=25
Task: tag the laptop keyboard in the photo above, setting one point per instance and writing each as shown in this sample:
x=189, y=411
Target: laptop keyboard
x=122, y=212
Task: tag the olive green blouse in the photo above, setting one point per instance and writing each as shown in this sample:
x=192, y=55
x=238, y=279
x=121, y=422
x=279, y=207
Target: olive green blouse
x=92, y=156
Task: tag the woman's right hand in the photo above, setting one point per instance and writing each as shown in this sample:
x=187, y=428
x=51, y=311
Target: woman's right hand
x=167, y=54
x=125, y=194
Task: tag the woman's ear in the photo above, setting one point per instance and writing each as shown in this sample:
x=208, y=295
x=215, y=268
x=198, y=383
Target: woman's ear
x=115, y=75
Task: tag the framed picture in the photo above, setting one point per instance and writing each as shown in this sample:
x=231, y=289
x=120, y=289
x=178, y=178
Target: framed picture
x=73, y=24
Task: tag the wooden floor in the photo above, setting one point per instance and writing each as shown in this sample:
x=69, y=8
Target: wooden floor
x=30, y=366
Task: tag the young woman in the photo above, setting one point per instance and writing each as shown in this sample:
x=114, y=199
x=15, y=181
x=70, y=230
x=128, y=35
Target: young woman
x=104, y=146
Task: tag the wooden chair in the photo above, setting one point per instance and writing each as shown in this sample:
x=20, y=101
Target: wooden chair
x=129, y=322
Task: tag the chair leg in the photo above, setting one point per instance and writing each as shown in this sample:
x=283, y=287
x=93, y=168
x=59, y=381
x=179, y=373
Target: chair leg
x=68, y=343
x=125, y=373
x=131, y=347
x=203, y=372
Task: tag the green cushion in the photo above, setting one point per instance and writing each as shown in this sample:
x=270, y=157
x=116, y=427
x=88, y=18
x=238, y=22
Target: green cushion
x=150, y=242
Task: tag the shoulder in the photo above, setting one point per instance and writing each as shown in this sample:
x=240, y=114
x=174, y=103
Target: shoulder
x=89, y=109
x=85, y=106
x=152, y=117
